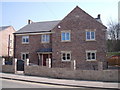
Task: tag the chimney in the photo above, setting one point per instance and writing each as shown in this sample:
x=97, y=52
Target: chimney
x=98, y=16
x=30, y=21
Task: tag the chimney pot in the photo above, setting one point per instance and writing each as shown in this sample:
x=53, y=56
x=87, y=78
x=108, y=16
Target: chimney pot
x=98, y=16
x=29, y=21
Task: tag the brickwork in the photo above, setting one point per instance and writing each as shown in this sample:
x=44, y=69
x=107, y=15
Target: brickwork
x=78, y=22
x=33, y=46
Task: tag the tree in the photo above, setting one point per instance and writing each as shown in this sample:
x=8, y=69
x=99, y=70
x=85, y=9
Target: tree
x=114, y=31
x=113, y=42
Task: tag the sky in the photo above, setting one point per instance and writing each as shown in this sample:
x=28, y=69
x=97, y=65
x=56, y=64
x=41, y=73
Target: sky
x=16, y=13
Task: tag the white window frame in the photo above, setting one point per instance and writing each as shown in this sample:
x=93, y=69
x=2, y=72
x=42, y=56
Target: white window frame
x=91, y=51
x=25, y=37
x=68, y=31
x=45, y=38
x=25, y=55
x=90, y=36
x=66, y=52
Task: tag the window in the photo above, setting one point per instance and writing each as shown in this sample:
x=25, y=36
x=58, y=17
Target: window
x=65, y=36
x=25, y=39
x=65, y=56
x=91, y=55
x=24, y=56
x=45, y=38
x=90, y=35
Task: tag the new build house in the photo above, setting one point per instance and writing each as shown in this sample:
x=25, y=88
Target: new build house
x=78, y=36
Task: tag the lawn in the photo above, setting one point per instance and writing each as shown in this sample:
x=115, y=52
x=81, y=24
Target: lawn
x=112, y=53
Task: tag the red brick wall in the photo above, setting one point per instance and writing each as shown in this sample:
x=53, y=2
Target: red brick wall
x=34, y=45
x=78, y=45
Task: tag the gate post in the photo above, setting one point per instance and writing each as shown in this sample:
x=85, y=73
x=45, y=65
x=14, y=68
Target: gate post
x=100, y=65
x=3, y=61
x=49, y=62
x=15, y=64
x=73, y=65
x=27, y=62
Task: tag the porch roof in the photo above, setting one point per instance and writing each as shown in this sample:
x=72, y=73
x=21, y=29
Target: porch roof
x=44, y=50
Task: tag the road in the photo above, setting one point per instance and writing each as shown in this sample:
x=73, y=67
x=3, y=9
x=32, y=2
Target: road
x=7, y=83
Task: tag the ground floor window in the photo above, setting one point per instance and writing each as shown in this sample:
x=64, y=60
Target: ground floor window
x=65, y=55
x=91, y=55
x=24, y=56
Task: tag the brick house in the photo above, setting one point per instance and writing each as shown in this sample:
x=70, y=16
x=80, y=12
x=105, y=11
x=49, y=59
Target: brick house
x=78, y=37
x=6, y=41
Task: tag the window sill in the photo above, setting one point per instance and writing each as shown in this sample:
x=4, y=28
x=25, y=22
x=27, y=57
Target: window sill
x=90, y=40
x=25, y=43
x=91, y=60
x=44, y=42
x=66, y=60
x=65, y=41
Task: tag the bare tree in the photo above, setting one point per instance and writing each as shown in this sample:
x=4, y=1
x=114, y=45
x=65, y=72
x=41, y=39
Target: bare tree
x=114, y=31
x=113, y=42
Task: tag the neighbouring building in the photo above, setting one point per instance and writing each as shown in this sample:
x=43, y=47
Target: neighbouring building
x=6, y=41
x=78, y=37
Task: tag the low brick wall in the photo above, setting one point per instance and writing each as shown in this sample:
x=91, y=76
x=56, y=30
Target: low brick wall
x=101, y=75
x=8, y=68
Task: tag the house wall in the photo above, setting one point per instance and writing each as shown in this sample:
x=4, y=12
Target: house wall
x=33, y=46
x=4, y=41
x=78, y=22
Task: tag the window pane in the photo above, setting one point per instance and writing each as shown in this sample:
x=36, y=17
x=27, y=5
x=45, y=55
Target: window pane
x=88, y=56
x=43, y=38
x=47, y=38
x=23, y=40
x=68, y=36
x=63, y=36
x=27, y=56
x=23, y=56
x=88, y=35
x=93, y=55
x=68, y=56
x=92, y=35
x=64, y=58
x=27, y=40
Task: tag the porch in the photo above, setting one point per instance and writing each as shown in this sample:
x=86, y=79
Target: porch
x=43, y=55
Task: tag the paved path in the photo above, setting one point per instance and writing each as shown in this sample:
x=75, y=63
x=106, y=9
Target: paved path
x=63, y=82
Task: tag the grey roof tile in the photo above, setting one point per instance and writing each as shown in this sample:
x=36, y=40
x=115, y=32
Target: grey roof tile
x=3, y=27
x=38, y=27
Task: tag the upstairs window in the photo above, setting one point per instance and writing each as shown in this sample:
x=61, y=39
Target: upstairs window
x=65, y=36
x=25, y=39
x=91, y=55
x=90, y=35
x=45, y=38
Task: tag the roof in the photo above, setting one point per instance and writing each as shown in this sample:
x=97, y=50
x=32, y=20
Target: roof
x=43, y=50
x=38, y=27
x=3, y=27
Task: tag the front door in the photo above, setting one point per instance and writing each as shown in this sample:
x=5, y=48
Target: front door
x=45, y=56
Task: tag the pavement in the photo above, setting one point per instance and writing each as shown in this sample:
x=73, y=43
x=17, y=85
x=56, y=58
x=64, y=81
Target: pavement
x=62, y=82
